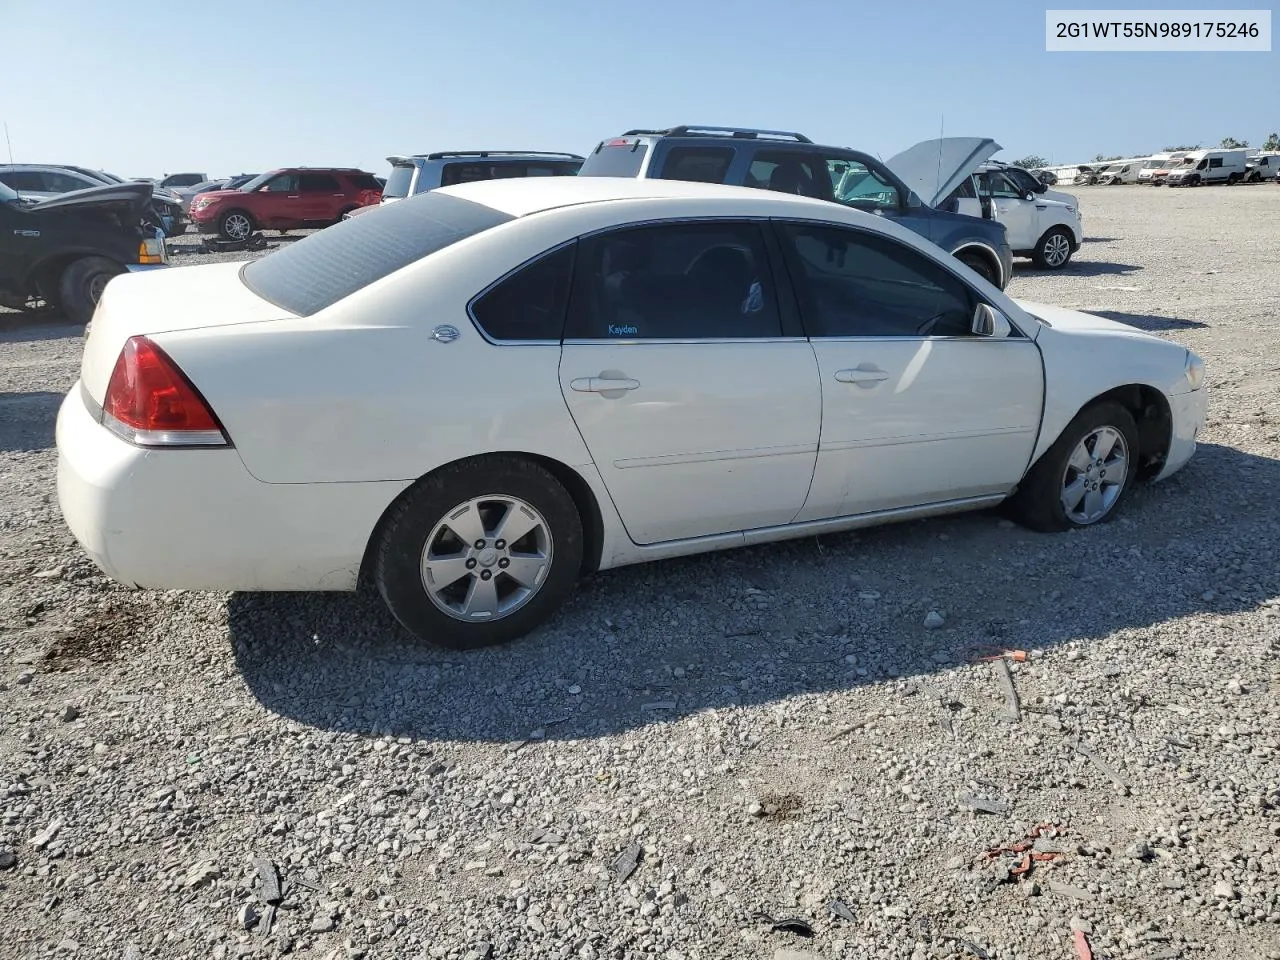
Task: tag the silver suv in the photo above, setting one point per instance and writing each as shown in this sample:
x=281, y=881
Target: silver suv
x=425, y=171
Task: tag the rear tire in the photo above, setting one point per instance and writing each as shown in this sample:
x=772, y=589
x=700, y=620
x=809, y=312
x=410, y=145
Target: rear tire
x=1053, y=250
x=447, y=574
x=981, y=266
x=81, y=284
x=1069, y=468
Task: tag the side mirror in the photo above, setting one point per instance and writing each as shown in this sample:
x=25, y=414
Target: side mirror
x=990, y=322
x=1028, y=195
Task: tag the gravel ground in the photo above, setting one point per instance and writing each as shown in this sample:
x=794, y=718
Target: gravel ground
x=768, y=730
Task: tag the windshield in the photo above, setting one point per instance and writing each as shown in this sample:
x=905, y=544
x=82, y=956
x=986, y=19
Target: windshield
x=398, y=183
x=7, y=193
x=1152, y=164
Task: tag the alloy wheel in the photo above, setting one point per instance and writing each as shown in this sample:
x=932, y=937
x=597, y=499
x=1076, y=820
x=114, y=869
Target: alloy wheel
x=1056, y=250
x=1095, y=475
x=237, y=226
x=487, y=558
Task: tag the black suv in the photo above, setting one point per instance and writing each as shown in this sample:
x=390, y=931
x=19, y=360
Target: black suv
x=63, y=251
x=792, y=163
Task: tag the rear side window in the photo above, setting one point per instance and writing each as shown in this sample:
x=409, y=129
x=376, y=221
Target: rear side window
x=615, y=158
x=465, y=173
x=530, y=303
x=398, y=183
x=363, y=181
x=697, y=164
x=320, y=183
x=318, y=271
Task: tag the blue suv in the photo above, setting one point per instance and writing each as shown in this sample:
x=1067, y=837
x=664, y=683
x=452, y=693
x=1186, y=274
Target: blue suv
x=792, y=163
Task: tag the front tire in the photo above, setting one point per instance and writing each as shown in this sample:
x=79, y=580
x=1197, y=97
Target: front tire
x=1053, y=251
x=981, y=266
x=1084, y=477
x=236, y=225
x=81, y=284
x=479, y=552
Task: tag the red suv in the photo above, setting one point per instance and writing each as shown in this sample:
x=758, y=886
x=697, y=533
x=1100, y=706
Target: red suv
x=285, y=199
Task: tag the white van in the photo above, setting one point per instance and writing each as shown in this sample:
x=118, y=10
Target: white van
x=1122, y=171
x=1208, y=166
x=1262, y=166
x=1158, y=166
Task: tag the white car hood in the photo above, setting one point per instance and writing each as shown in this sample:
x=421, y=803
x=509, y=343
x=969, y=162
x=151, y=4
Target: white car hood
x=934, y=168
x=1057, y=196
x=1073, y=321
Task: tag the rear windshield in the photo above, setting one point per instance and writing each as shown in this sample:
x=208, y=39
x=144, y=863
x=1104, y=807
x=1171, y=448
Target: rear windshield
x=316, y=272
x=397, y=187
x=615, y=158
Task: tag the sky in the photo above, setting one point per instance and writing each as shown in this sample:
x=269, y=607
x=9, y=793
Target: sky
x=237, y=86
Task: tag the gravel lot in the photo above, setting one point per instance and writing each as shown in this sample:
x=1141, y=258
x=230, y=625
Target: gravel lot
x=775, y=728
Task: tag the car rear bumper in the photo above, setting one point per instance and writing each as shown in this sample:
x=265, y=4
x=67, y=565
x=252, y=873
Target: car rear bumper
x=198, y=520
x=1188, y=410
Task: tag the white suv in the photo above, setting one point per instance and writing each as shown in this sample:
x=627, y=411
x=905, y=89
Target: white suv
x=1045, y=226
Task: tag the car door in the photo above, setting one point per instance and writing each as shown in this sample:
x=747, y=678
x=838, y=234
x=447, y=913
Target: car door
x=916, y=409
x=278, y=202
x=1009, y=206
x=700, y=408
x=323, y=198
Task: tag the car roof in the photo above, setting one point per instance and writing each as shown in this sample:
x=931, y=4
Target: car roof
x=521, y=196
x=494, y=155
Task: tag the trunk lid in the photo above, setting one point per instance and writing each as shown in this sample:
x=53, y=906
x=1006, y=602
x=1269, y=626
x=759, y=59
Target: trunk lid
x=159, y=301
x=934, y=168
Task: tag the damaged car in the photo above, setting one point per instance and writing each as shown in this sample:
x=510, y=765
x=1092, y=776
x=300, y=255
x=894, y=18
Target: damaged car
x=62, y=252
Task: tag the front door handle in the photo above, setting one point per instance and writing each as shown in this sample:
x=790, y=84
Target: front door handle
x=605, y=385
x=862, y=376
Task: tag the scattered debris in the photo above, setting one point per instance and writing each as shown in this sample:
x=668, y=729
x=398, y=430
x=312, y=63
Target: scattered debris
x=267, y=922
x=779, y=806
x=202, y=873
x=797, y=925
x=1029, y=851
x=321, y=924
x=1082, y=946
x=969, y=945
x=255, y=241
x=1223, y=890
x=70, y=713
x=845, y=731
x=247, y=916
x=481, y=951
x=542, y=835
x=658, y=705
x=840, y=909
x=45, y=836
x=8, y=859
x=1014, y=704
x=624, y=865
x=983, y=804
x=1067, y=890
x=1085, y=750
x=934, y=620
x=268, y=879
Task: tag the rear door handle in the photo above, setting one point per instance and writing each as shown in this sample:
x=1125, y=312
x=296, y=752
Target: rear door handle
x=863, y=376
x=603, y=384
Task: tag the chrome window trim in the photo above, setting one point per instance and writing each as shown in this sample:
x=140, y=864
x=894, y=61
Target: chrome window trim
x=611, y=341
x=550, y=251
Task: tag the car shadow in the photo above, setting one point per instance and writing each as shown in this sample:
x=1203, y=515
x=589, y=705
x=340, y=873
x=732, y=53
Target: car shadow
x=1083, y=268
x=26, y=326
x=657, y=642
x=1149, y=322
x=1101, y=239
x=27, y=420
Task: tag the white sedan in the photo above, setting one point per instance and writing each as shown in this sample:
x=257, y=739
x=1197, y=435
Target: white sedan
x=475, y=396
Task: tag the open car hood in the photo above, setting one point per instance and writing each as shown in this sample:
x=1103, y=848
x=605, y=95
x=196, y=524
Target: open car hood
x=115, y=196
x=934, y=168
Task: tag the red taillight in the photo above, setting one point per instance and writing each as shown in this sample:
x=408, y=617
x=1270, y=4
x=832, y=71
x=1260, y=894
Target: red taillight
x=151, y=402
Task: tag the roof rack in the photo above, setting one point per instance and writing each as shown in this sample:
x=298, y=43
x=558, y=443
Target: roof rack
x=442, y=154
x=742, y=133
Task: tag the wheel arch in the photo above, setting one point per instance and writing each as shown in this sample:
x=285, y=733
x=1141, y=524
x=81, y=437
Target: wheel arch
x=44, y=276
x=985, y=251
x=1152, y=414
x=579, y=490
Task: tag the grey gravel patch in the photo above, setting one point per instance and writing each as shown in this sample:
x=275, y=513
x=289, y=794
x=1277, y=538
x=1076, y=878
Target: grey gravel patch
x=306, y=730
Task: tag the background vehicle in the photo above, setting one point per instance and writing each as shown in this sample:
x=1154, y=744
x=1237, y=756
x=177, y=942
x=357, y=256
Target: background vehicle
x=1086, y=174
x=64, y=250
x=418, y=173
x=1122, y=171
x=727, y=367
x=1044, y=228
x=172, y=181
x=187, y=194
x=1045, y=176
x=285, y=199
x=1261, y=166
x=792, y=163
x=1207, y=166
x=43, y=181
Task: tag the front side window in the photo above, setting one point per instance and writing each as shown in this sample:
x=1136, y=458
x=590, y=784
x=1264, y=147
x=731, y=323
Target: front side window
x=284, y=183
x=65, y=183
x=697, y=164
x=790, y=171
x=855, y=284
x=856, y=185
x=1215, y=161
x=530, y=303
x=996, y=184
x=678, y=281
x=24, y=181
